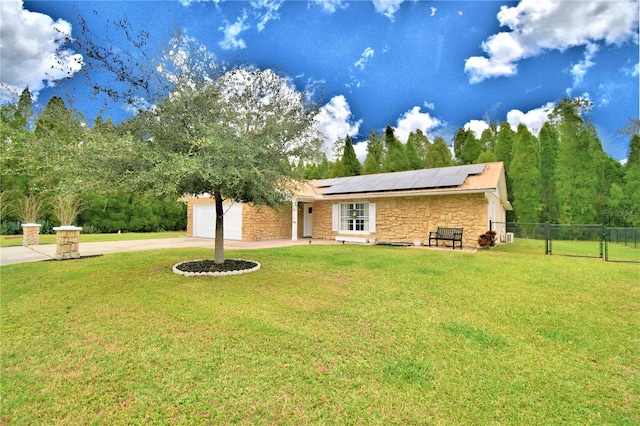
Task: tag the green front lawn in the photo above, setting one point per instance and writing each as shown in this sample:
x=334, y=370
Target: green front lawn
x=16, y=240
x=332, y=334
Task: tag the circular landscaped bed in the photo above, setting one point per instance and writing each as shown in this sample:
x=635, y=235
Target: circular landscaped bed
x=208, y=267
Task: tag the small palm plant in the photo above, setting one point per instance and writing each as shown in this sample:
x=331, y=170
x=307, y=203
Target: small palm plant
x=66, y=208
x=28, y=208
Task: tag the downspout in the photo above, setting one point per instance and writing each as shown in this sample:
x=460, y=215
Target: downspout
x=294, y=219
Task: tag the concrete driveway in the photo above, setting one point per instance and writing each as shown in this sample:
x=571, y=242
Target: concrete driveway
x=21, y=254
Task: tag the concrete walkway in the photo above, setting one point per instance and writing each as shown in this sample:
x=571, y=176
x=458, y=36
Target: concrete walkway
x=21, y=254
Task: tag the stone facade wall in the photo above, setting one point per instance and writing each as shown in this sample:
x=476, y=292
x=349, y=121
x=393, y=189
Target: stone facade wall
x=258, y=222
x=261, y=223
x=398, y=219
x=67, y=244
x=409, y=219
x=30, y=234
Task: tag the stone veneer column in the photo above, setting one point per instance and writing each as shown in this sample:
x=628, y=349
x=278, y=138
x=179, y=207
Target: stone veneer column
x=31, y=234
x=67, y=242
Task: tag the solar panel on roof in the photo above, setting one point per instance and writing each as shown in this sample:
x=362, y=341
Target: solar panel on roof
x=427, y=182
x=448, y=171
x=427, y=173
x=380, y=186
x=474, y=169
x=415, y=179
x=404, y=183
x=325, y=183
x=453, y=180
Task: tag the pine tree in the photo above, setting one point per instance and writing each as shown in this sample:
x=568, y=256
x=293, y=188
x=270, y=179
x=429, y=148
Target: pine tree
x=24, y=111
x=486, y=157
x=375, y=153
x=421, y=142
x=525, y=175
x=413, y=160
x=578, y=166
x=548, y=139
x=489, y=137
x=396, y=158
x=504, y=144
x=57, y=146
x=633, y=159
x=466, y=146
x=438, y=154
x=631, y=210
x=504, y=152
x=349, y=165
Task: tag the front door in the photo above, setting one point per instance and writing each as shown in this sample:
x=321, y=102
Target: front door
x=308, y=220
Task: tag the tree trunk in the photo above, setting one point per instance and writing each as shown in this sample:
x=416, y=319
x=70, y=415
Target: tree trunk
x=219, y=239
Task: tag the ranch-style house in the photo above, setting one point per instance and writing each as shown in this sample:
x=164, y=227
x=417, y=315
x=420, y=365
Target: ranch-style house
x=400, y=207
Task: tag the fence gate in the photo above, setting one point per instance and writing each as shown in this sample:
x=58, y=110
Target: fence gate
x=576, y=240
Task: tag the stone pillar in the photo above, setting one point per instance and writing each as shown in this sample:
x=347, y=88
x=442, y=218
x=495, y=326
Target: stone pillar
x=31, y=234
x=67, y=242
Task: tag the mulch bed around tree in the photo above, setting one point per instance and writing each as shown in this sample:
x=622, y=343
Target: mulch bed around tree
x=210, y=267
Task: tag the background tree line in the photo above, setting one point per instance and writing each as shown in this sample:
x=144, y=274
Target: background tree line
x=40, y=155
x=560, y=176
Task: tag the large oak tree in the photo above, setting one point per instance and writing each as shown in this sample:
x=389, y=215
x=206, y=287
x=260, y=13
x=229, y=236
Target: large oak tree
x=234, y=137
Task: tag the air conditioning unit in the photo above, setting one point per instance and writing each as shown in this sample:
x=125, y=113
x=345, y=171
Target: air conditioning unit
x=509, y=238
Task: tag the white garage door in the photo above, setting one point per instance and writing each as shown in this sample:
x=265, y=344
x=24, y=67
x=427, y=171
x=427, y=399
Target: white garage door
x=204, y=221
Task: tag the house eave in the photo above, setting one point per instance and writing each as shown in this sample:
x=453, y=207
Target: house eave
x=393, y=194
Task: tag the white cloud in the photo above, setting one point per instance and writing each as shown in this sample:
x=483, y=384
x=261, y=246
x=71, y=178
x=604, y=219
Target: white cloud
x=367, y=54
x=331, y=5
x=413, y=120
x=232, y=32
x=538, y=25
x=188, y=2
x=579, y=70
x=259, y=15
x=633, y=71
x=387, y=7
x=534, y=119
x=477, y=126
x=433, y=11
x=270, y=13
x=33, y=52
x=361, y=150
x=334, y=122
x=359, y=65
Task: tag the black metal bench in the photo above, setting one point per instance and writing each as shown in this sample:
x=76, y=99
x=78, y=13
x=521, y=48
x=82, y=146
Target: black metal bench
x=446, y=234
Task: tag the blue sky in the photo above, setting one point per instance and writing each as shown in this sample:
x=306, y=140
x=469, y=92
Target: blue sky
x=429, y=65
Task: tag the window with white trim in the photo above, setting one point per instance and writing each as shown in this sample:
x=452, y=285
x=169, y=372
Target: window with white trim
x=354, y=218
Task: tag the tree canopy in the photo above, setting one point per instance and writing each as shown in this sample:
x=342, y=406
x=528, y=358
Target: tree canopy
x=233, y=138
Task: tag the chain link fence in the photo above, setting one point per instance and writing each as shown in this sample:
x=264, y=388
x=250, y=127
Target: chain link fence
x=622, y=245
x=596, y=241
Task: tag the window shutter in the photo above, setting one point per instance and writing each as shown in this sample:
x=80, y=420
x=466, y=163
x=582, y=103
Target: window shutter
x=336, y=217
x=372, y=217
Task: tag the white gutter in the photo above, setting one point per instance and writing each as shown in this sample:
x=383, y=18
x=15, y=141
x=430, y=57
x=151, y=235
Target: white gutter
x=363, y=195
